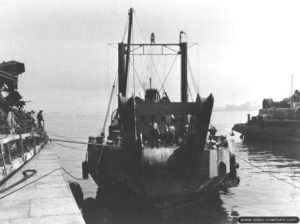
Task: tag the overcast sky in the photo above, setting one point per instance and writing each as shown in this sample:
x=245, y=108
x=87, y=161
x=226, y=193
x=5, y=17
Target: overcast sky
x=248, y=50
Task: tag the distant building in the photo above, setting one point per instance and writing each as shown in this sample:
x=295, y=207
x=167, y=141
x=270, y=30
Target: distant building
x=239, y=107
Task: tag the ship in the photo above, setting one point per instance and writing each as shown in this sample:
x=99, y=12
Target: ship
x=276, y=121
x=21, y=140
x=149, y=161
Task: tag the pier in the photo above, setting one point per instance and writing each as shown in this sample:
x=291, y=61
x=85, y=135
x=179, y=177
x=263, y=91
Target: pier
x=41, y=195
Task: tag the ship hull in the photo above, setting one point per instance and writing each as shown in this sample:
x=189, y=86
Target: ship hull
x=158, y=181
x=270, y=131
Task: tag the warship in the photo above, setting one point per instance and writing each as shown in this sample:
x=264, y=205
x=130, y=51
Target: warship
x=276, y=121
x=155, y=147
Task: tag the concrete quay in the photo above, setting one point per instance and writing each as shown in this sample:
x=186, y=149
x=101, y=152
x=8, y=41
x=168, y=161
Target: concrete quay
x=48, y=200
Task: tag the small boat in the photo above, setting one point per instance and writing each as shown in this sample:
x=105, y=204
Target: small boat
x=155, y=147
x=276, y=121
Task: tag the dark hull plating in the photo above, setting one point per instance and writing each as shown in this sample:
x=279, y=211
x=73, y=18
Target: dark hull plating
x=277, y=131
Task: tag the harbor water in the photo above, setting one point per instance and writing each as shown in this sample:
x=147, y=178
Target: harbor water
x=269, y=178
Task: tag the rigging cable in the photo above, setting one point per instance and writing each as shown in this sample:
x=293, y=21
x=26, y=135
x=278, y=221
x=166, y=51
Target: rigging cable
x=196, y=88
x=142, y=65
x=190, y=92
x=125, y=29
x=198, y=67
x=169, y=72
x=107, y=68
x=148, y=52
x=155, y=69
x=139, y=26
x=138, y=77
x=108, y=107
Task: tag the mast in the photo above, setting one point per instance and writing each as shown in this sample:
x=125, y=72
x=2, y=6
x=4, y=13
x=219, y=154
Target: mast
x=128, y=50
x=124, y=63
x=184, y=81
x=121, y=67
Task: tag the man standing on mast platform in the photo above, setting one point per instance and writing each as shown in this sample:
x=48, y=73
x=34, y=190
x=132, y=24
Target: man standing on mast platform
x=152, y=38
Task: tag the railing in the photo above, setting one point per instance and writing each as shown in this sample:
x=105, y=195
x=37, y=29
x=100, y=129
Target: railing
x=20, y=129
x=17, y=149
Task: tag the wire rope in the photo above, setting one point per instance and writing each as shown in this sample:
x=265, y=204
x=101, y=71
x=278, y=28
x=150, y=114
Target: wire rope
x=192, y=76
x=169, y=72
x=69, y=147
x=138, y=76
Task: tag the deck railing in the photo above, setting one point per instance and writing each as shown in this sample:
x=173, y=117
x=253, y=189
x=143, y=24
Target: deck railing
x=17, y=149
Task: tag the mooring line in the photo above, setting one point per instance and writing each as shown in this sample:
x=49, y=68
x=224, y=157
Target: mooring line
x=64, y=136
x=75, y=142
x=69, y=147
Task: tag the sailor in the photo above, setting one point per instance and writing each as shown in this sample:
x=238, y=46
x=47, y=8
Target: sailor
x=11, y=121
x=31, y=113
x=152, y=38
x=165, y=134
x=172, y=131
x=40, y=120
x=212, y=131
x=32, y=116
x=187, y=125
x=154, y=133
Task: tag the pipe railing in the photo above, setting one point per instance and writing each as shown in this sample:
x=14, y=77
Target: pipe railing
x=17, y=149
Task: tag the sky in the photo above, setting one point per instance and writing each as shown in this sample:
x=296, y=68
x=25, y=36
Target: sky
x=247, y=50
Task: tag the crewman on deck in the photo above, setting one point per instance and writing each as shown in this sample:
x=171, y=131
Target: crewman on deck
x=40, y=120
x=32, y=116
x=33, y=120
x=154, y=133
x=11, y=121
x=165, y=134
x=172, y=132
